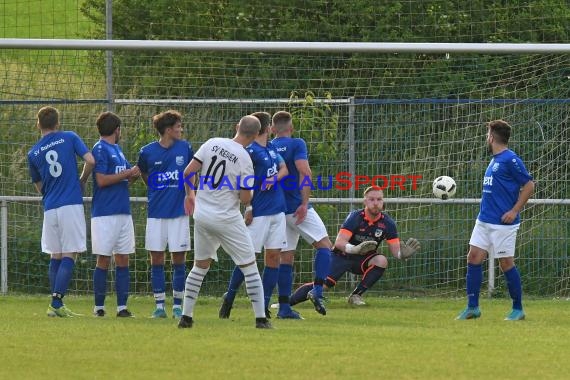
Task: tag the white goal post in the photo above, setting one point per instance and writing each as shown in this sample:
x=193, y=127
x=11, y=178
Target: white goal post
x=452, y=109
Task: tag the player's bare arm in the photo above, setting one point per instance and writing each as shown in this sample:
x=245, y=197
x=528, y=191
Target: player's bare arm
x=283, y=171
x=38, y=186
x=104, y=180
x=190, y=199
x=87, y=167
x=524, y=196
x=304, y=174
x=134, y=175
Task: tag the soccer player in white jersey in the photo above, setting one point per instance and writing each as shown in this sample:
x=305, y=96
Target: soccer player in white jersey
x=223, y=170
x=112, y=231
x=161, y=164
x=507, y=186
x=265, y=219
x=53, y=168
x=302, y=219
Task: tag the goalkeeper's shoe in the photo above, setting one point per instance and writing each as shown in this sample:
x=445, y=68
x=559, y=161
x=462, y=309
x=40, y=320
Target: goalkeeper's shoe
x=356, y=300
x=469, y=313
x=158, y=313
x=318, y=303
x=185, y=322
x=515, y=315
x=177, y=312
x=226, y=307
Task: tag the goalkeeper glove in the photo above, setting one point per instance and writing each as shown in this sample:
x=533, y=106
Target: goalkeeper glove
x=409, y=248
x=362, y=248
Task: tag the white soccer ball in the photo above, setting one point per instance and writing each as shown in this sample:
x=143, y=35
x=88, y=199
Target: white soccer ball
x=444, y=187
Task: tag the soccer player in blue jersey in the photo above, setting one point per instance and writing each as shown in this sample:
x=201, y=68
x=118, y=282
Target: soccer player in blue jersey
x=302, y=219
x=355, y=248
x=53, y=167
x=112, y=231
x=265, y=219
x=161, y=164
x=507, y=186
x=225, y=164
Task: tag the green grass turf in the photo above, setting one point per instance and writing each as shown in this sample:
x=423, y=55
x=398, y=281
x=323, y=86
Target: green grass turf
x=391, y=338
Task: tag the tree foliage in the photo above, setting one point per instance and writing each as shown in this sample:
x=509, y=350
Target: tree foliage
x=188, y=74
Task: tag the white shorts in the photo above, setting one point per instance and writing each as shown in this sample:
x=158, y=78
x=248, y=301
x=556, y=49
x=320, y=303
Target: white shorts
x=112, y=234
x=64, y=230
x=498, y=240
x=171, y=232
x=312, y=229
x=231, y=234
x=268, y=231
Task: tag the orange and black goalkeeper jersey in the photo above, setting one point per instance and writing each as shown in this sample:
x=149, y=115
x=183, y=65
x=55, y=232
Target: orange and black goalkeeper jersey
x=360, y=228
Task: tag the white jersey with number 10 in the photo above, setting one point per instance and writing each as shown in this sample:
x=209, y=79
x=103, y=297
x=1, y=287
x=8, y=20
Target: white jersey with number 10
x=226, y=167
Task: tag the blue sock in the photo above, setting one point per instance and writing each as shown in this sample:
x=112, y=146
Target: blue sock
x=235, y=282
x=269, y=280
x=122, y=281
x=53, y=268
x=100, y=286
x=62, y=281
x=178, y=281
x=285, y=285
x=474, y=278
x=321, y=264
x=515, y=287
x=158, y=284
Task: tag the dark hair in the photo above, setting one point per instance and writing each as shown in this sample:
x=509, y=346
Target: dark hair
x=107, y=123
x=501, y=130
x=281, y=119
x=165, y=120
x=48, y=118
x=264, y=120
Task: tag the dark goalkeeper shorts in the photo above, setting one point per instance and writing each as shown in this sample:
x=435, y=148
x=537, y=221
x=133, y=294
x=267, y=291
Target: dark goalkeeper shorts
x=356, y=264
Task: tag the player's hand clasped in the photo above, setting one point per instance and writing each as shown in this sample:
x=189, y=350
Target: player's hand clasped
x=361, y=249
x=409, y=248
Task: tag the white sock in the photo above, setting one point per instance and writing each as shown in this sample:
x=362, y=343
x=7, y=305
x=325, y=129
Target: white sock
x=254, y=289
x=192, y=288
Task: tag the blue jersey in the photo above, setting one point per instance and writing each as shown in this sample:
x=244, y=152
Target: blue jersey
x=362, y=229
x=52, y=160
x=292, y=149
x=165, y=170
x=504, y=177
x=266, y=165
x=113, y=199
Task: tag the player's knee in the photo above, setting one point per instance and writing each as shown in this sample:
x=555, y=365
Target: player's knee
x=476, y=255
x=272, y=258
x=103, y=262
x=379, y=261
x=287, y=257
x=178, y=257
x=323, y=243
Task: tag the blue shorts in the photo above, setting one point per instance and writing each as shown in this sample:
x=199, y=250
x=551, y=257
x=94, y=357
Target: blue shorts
x=341, y=263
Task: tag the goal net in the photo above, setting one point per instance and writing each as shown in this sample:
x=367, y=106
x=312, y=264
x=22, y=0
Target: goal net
x=399, y=118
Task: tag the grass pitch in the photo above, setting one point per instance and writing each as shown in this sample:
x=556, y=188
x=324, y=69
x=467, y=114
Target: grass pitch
x=390, y=338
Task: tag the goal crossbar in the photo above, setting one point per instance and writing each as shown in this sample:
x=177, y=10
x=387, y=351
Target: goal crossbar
x=285, y=46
